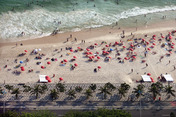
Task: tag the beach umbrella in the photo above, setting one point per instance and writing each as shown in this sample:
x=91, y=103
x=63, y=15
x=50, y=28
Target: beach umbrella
x=143, y=39
x=95, y=44
x=170, y=52
x=148, y=49
x=74, y=57
x=132, y=45
x=71, y=50
x=90, y=57
x=42, y=67
x=23, y=69
x=149, y=74
x=99, y=67
x=90, y=53
x=147, y=42
x=109, y=57
x=154, y=38
x=162, y=36
x=39, y=49
x=124, y=46
x=35, y=50
x=107, y=45
x=107, y=52
x=49, y=80
x=170, y=37
x=154, y=44
x=131, y=49
x=172, y=47
x=65, y=60
x=126, y=58
x=169, y=32
x=47, y=77
x=93, y=56
x=48, y=62
x=104, y=51
x=25, y=50
x=78, y=47
x=98, y=57
x=88, y=49
x=154, y=35
x=134, y=57
x=21, y=61
x=61, y=79
x=173, y=43
x=75, y=64
x=116, y=42
x=111, y=49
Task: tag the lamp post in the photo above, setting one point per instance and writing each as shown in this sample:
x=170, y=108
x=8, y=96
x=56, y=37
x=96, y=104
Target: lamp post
x=140, y=101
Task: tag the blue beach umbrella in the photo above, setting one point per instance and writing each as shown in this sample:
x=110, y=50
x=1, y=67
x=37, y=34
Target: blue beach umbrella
x=111, y=49
x=21, y=61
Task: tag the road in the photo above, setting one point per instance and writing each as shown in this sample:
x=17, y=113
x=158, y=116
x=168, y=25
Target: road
x=148, y=109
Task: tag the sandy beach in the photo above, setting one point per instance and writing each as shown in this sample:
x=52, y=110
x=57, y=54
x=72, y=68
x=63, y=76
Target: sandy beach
x=116, y=70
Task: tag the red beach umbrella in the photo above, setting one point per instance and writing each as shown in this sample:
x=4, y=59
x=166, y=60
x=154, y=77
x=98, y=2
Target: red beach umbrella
x=75, y=64
x=154, y=44
x=88, y=49
x=48, y=62
x=47, y=77
x=148, y=49
x=116, y=42
x=107, y=45
x=154, y=38
x=49, y=80
x=170, y=37
x=104, y=51
x=95, y=44
x=22, y=67
x=109, y=57
x=131, y=49
x=149, y=74
x=154, y=35
x=78, y=47
x=61, y=79
x=25, y=50
x=162, y=36
x=93, y=56
x=71, y=50
x=147, y=42
x=173, y=43
x=65, y=60
x=90, y=53
x=172, y=47
x=99, y=67
x=98, y=57
x=124, y=46
x=126, y=58
x=42, y=67
x=134, y=57
x=90, y=57
x=132, y=45
x=107, y=52
x=74, y=57
x=143, y=39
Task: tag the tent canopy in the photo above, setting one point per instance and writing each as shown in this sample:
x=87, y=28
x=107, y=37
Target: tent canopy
x=146, y=78
x=168, y=77
x=42, y=78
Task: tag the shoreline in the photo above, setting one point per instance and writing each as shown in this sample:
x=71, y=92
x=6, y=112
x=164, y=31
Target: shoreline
x=92, y=33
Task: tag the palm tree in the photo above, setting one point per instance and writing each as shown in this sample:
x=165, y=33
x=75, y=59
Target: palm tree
x=54, y=94
x=155, y=90
x=16, y=92
x=44, y=87
x=60, y=87
x=123, y=89
x=139, y=90
x=169, y=90
x=125, y=86
x=71, y=94
x=26, y=88
x=88, y=93
x=8, y=87
x=105, y=91
x=78, y=89
x=110, y=86
x=93, y=87
x=37, y=90
x=159, y=85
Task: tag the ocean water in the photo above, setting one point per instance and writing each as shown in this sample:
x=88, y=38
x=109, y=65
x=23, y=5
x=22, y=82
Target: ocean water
x=38, y=18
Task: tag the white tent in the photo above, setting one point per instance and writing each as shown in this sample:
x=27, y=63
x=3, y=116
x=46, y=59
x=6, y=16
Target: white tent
x=42, y=78
x=168, y=77
x=146, y=78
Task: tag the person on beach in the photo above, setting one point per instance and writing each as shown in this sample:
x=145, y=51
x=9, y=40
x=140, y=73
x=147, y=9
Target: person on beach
x=131, y=70
x=146, y=65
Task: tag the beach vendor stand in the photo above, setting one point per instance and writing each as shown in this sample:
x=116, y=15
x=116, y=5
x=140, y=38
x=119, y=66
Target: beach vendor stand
x=42, y=79
x=146, y=78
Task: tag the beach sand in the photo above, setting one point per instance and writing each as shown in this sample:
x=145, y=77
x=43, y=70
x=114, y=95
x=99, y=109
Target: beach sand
x=111, y=71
